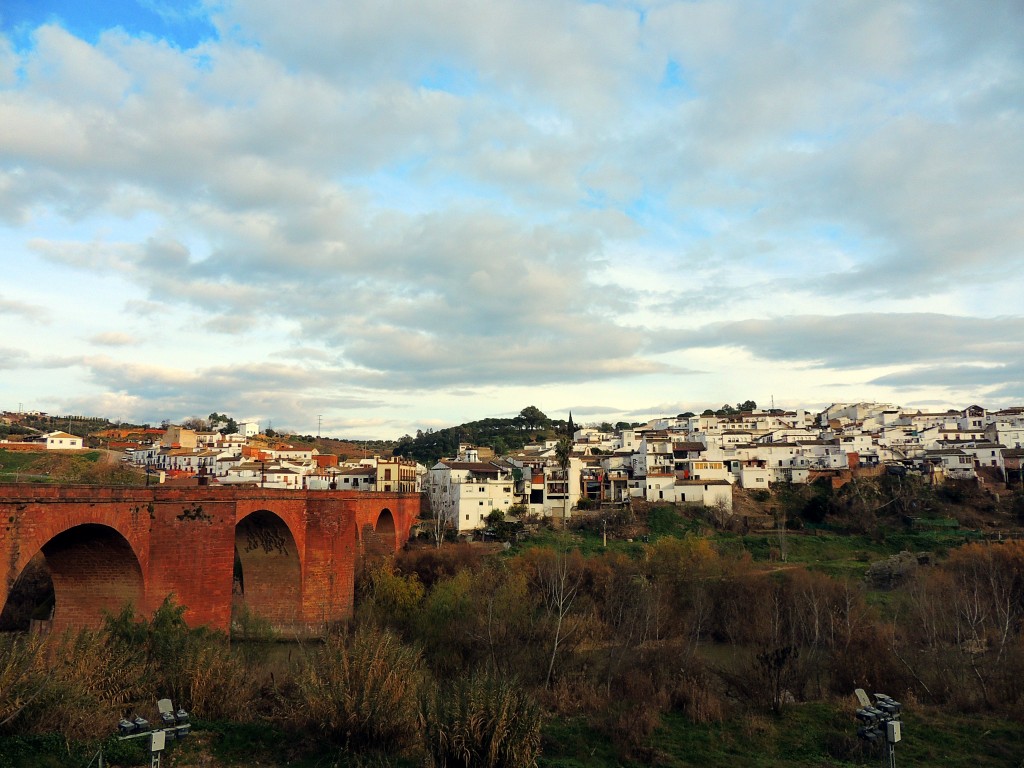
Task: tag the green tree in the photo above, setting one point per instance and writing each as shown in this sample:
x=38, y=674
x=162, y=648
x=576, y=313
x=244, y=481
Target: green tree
x=533, y=417
x=563, y=452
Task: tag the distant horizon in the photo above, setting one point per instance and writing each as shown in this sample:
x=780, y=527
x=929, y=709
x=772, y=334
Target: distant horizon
x=559, y=418
x=378, y=218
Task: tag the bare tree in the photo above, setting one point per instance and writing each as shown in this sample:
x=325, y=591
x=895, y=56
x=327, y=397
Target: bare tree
x=558, y=576
x=442, y=506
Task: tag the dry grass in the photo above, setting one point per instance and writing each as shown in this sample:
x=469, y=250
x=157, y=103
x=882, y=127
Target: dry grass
x=360, y=691
x=481, y=722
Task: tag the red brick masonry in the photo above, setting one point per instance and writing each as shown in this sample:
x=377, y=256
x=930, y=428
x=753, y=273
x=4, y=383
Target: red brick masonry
x=105, y=546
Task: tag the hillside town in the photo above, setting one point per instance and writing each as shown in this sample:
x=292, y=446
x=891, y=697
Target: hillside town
x=685, y=459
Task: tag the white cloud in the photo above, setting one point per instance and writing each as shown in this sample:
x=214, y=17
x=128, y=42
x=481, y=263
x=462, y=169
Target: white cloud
x=468, y=198
x=113, y=339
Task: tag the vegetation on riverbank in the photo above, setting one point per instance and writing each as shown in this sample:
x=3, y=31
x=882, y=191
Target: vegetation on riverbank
x=680, y=643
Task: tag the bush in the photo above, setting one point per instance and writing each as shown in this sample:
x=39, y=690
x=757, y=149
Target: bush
x=360, y=691
x=193, y=667
x=433, y=564
x=75, y=685
x=481, y=722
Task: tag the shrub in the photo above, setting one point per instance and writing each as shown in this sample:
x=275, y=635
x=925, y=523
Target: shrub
x=21, y=658
x=389, y=599
x=360, y=691
x=432, y=565
x=75, y=685
x=192, y=667
x=481, y=722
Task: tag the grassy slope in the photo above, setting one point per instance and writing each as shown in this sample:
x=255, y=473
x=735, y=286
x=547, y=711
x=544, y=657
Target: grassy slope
x=804, y=736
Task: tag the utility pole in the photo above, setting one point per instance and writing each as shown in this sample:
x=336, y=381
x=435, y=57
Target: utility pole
x=319, y=420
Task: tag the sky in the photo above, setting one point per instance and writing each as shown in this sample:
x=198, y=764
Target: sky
x=370, y=217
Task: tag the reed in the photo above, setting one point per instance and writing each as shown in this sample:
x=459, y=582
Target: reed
x=482, y=721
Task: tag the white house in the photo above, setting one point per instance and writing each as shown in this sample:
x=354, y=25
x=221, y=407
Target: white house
x=62, y=441
x=466, y=492
x=952, y=462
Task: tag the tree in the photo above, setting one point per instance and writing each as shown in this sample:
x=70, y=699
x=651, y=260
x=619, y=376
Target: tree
x=443, y=507
x=533, y=417
x=746, y=405
x=563, y=452
x=557, y=575
x=223, y=423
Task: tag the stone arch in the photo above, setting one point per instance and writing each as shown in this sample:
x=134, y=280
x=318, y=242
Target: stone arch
x=268, y=571
x=94, y=571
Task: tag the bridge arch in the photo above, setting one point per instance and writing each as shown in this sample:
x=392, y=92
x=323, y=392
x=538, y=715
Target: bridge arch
x=268, y=571
x=30, y=598
x=380, y=539
x=93, y=570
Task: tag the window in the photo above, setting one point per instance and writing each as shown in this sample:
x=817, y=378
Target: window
x=481, y=502
x=387, y=474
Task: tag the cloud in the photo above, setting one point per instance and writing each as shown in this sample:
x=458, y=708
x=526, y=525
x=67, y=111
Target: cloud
x=22, y=309
x=113, y=339
x=999, y=381
x=284, y=393
x=860, y=340
x=458, y=197
x=12, y=359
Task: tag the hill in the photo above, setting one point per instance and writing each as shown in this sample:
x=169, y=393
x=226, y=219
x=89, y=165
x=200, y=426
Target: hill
x=501, y=435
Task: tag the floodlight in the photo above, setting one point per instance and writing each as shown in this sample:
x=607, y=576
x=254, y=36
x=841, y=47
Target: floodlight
x=181, y=716
x=141, y=724
x=166, y=711
x=125, y=727
x=869, y=733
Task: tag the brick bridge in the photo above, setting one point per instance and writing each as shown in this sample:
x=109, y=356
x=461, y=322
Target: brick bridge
x=287, y=556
